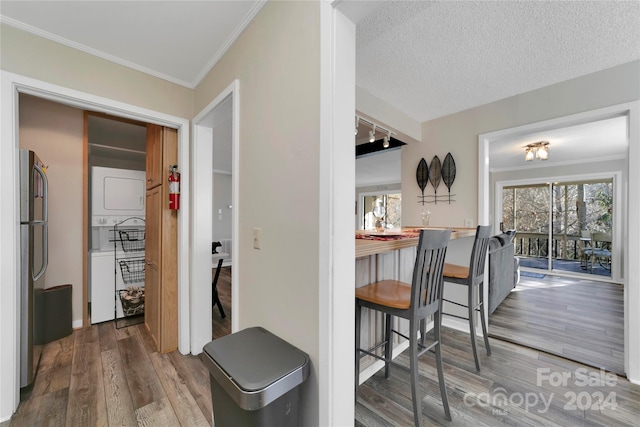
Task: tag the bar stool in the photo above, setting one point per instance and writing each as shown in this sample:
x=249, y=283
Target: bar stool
x=219, y=256
x=472, y=277
x=416, y=302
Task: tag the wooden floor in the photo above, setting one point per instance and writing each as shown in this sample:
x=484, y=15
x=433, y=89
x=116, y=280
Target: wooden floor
x=581, y=320
x=101, y=376
x=516, y=387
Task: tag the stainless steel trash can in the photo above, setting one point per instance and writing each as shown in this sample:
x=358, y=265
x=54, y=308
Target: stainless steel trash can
x=255, y=379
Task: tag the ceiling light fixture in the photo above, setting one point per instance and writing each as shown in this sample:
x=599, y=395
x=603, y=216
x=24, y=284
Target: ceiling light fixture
x=374, y=127
x=539, y=150
x=385, y=141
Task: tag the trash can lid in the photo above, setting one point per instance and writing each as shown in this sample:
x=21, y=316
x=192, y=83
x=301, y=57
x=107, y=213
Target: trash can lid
x=254, y=358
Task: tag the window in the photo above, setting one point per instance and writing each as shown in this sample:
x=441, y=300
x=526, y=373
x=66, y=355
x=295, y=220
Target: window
x=392, y=204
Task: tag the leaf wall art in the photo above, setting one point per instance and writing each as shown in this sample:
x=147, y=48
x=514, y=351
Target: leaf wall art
x=449, y=172
x=434, y=173
x=422, y=177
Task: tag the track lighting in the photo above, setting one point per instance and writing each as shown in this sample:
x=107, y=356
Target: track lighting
x=372, y=132
x=385, y=141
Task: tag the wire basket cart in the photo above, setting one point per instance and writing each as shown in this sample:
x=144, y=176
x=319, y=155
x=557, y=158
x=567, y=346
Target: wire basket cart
x=131, y=240
x=129, y=245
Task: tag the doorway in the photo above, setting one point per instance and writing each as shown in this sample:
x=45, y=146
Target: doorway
x=215, y=162
x=628, y=207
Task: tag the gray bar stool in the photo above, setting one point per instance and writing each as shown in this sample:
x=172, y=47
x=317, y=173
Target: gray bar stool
x=472, y=277
x=416, y=302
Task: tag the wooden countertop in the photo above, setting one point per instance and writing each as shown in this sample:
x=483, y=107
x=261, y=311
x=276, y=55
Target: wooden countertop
x=366, y=247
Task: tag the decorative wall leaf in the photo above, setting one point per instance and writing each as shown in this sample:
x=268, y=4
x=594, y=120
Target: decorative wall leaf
x=435, y=174
x=448, y=172
x=422, y=176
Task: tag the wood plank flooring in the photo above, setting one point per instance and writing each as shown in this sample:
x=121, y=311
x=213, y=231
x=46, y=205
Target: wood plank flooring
x=105, y=377
x=582, y=320
x=517, y=387
x=101, y=376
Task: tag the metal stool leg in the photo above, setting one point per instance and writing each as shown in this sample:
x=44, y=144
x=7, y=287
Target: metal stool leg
x=415, y=377
x=437, y=322
x=357, y=368
x=215, y=297
x=388, y=348
x=482, y=318
x=472, y=328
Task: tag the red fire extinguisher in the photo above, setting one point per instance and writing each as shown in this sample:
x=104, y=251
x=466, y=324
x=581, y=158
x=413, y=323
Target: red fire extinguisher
x=174, y=188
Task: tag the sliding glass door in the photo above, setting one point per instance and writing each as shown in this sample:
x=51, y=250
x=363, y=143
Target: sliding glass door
x=562, y=226
x=526, y=210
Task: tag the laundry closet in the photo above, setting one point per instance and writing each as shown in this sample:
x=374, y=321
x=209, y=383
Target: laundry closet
x=117, y=187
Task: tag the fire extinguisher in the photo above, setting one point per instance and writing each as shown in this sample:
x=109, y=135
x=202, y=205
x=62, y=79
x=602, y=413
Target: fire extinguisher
x=174, y=188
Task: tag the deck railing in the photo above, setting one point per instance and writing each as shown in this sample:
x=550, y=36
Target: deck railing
x=564, y=246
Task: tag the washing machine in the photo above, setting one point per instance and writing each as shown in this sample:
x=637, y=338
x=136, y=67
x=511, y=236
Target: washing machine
x=109, y=259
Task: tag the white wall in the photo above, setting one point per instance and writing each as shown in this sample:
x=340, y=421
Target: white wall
x=458, y=134
x=55, y=133
x=80, y=77
x=277, y=62
x=32, y=56
x=221, y=202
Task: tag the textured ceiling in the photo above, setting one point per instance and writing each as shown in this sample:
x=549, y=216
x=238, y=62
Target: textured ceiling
x=433, y=58
x=426, y=58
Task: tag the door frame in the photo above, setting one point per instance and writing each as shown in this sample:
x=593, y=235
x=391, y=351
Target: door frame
x=12, y=85
x=616, y=223
x=201, y=226
x=630, y=208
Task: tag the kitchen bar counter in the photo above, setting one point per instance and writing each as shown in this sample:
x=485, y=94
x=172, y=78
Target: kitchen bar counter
x=391, y=256
x=366, y=247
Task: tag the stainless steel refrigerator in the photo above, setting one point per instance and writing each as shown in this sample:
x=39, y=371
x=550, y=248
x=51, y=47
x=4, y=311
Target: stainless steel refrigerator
x=33, y=261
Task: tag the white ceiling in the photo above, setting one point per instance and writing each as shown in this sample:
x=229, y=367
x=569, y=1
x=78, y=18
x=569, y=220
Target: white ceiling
x=378, y=169
x=589, y=142
x=426, y=58
x=179, y=41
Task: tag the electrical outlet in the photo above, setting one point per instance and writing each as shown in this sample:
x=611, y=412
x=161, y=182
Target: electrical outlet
x=468, y=223
x=257, y=236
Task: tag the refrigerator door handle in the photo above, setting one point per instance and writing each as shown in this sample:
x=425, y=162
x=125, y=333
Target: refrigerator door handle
x=45, y=218
x=45, y=192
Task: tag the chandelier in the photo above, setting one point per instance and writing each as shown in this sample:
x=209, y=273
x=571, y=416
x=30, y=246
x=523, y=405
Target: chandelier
x=539, y=150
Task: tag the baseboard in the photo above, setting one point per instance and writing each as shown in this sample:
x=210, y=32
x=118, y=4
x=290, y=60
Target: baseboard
x=77, y=324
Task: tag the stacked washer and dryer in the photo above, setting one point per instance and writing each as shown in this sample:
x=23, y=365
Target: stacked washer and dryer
x=116, y=257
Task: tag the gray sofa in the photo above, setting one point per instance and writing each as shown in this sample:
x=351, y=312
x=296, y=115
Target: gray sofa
x=504, y=268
